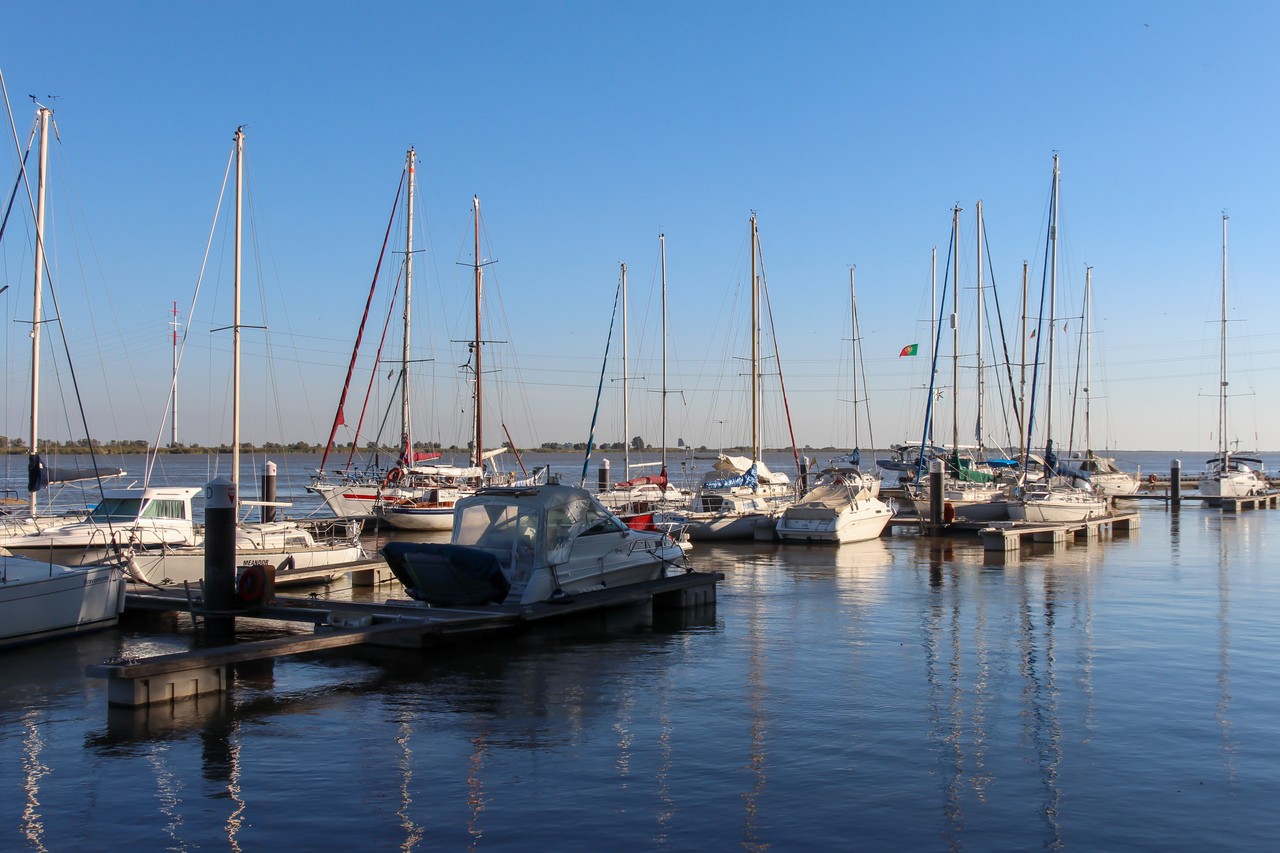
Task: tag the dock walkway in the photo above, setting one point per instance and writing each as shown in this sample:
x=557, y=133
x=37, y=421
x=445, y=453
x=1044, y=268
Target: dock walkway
x=338, y=624
x=1012, y=535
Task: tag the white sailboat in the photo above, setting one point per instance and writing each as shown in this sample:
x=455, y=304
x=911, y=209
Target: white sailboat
x=414, y=478
x=435, y=489
x=739, y=493
x=1057, y=497
x=971, y=491
x=844, y=505
x=40, y=600
x=1104, y=475
x=1228, y=475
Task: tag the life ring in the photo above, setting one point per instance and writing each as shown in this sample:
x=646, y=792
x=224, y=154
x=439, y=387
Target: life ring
x=393, y=476
x=948, y=513
x=251, y=585
x=1151, y=478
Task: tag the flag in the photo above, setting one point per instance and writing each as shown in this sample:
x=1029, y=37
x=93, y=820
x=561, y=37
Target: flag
x=909, y=349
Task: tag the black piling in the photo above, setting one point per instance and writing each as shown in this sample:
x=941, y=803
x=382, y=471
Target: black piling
x=602, y=476
x=935, y=492
x=268, y=491
x=220, y=556
x=1175, y=483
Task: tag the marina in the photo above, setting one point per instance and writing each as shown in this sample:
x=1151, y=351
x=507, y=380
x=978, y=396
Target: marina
x=1096, y=693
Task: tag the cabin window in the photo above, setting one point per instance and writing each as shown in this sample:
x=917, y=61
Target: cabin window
x=165, y=509
x=116, y=509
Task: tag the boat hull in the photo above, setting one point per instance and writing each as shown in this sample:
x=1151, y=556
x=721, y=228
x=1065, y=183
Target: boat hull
x=820, y=524
x=45, y=601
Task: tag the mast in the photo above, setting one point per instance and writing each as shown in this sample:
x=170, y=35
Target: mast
x=626, y=410
x=173, y=426
x=662, y=246
x=406, y=429
x=980, y=378
x=1053, y=301
x=477, y=436
x=933, y=332
x=955, y=330
x=755, y=347
x=1022, y=375
x=1088, y=351
x=853, y=326
x=235, y=322
x=42, y=114
x=1223, y=445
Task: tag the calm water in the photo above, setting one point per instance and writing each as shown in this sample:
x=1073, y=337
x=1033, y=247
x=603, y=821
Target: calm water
x=906, y=693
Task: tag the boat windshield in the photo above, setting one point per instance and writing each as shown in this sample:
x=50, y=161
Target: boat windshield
x=116, y=509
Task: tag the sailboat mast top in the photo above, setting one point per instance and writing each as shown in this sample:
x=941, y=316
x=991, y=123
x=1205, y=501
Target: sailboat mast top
x=42, y=114
x=406, y=428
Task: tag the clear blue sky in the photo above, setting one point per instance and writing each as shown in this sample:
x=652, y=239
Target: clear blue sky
x=588, y=128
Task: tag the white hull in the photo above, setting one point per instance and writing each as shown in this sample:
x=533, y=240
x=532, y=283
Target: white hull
x=1051, y=510
x=854, y=523
x=1115, y=484
x=39, y=601
x=720, y=526
x=993, y=508
x=436, y=518
x=1214, y=487
x=187, y=564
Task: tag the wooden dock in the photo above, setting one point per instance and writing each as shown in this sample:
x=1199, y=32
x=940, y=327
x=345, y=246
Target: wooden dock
x=403, y=624
x=1012, y=535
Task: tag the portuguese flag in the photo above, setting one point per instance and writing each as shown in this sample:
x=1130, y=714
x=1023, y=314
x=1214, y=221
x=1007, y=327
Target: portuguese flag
x=909, y=349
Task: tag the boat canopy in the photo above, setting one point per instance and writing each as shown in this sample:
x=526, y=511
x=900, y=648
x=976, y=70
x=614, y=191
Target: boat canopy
x=534, y=527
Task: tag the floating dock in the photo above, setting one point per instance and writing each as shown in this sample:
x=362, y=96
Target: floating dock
x=1012, y=535
x=402, y=624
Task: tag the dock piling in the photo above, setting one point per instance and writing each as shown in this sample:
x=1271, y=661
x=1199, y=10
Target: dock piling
x=219, y=557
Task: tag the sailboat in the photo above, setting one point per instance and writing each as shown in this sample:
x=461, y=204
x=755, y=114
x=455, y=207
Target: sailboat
x=156, y=524
x=1228, y=475
x=40, y=600
x=971, y=491
x=1059, y=496
x=437, y=488
x=844, y=505
x=1105, y=476
x=636, y=498
x=354, y=494
x=739, y=493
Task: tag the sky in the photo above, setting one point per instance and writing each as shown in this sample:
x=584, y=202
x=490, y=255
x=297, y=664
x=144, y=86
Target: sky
x=851, y=131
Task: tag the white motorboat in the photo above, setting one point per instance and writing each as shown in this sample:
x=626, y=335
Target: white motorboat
x=838, y=510
x=525, y=545
x=42, y=601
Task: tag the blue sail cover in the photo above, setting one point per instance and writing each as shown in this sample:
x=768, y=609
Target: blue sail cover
x=748, y=479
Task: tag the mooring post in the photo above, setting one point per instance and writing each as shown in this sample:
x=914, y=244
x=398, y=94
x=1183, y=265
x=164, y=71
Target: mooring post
x=220, y=556
x=269, y=491
x=602, y=476
x=935, y=491
x=1175, y=483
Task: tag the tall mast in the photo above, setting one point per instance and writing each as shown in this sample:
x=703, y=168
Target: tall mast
x=755, y=347
x=662, y=246
x=853, y=326
x=980, y=378
x=1053, y=301
x=1223, y=444
x=626, y=397
x=173, y=426
x=42, y=115
x=1088, y=352
x=933, y=330
x=406, y=428
x=477, y=457
x=235, y=322
x=955, y=329
x=1022, y=375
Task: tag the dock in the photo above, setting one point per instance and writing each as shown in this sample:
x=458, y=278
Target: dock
x=1008, y=536
x=339, y=624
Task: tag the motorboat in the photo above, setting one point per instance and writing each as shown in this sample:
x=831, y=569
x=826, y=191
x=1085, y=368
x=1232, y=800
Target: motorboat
x=41, y=600
x=525, y=545
x=839, y=509
x=1058, y=499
